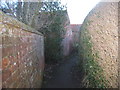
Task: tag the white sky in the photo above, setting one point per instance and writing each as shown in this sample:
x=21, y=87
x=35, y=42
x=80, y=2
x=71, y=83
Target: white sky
x=78, y=9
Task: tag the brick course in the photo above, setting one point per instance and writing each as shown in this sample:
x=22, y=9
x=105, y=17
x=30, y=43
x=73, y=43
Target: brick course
x=22, y=54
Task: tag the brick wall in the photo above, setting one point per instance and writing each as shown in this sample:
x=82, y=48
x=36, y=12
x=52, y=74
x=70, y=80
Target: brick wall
x=119, y=44
x=22, y=54
x=67, y=41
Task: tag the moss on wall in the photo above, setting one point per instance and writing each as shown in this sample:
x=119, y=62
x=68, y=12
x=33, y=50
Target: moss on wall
x=22, y=58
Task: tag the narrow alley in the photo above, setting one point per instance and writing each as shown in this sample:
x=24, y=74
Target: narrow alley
x=63, y=75
x=57, y=44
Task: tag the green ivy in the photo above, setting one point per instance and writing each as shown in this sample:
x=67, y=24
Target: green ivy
x=88, y=62
x=53, y=37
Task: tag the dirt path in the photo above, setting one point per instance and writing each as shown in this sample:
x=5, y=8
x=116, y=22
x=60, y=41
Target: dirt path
x=63, y=75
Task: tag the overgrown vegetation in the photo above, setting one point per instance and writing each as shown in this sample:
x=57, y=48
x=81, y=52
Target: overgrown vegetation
x=53, y=32
x=53, y=37
x=93, y=73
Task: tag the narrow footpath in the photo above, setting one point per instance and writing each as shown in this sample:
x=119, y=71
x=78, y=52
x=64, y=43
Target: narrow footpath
x=63, y=75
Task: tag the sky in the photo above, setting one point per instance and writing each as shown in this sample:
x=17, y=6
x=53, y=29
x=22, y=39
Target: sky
x=78, y=9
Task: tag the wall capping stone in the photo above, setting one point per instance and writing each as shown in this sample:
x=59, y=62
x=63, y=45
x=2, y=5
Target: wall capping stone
x=14, y=22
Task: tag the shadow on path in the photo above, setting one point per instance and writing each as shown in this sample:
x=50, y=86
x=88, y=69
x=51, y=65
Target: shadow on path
x=63, y=75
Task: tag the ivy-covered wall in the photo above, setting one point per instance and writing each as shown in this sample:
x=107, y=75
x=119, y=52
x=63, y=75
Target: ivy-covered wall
x=98, y=47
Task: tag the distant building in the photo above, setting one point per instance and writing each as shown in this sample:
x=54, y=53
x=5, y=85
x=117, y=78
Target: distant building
x=75, y=27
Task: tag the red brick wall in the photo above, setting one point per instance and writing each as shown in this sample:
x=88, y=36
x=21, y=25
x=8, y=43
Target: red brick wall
x=75, y=32
x=22, y=54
